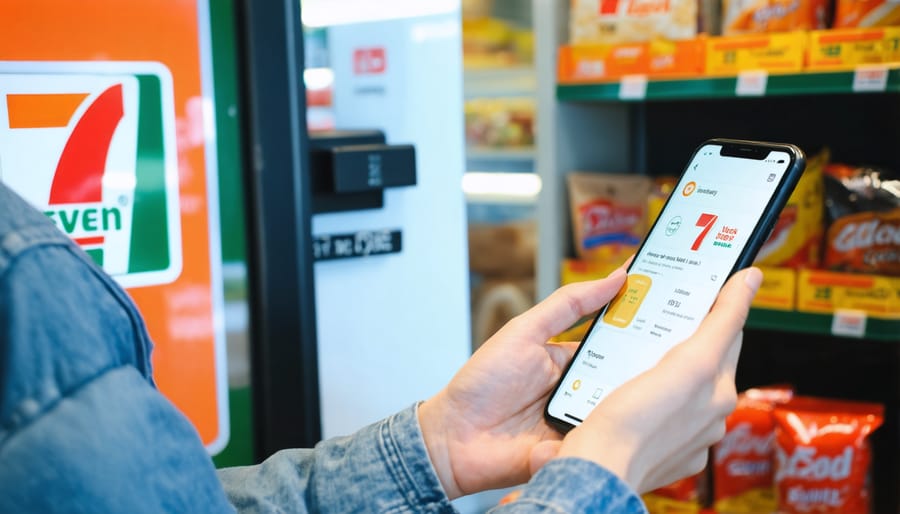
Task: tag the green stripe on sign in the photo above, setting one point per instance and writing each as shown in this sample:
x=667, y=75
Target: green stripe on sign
x=149, y=230
x=96, y=254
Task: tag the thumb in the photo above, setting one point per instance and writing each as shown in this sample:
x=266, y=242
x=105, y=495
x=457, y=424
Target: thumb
x=723, y=325
x=541, y=453
x=567, y=305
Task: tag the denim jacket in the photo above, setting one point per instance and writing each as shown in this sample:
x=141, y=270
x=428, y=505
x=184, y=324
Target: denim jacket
x=84, y=429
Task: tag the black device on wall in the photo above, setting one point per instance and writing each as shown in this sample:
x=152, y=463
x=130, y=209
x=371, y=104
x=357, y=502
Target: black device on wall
x=282, y=297
x=350, y=169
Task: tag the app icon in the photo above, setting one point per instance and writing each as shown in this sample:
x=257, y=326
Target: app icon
x=625, y=305
x=689, y=188
x=576, y=385
x=673, y=226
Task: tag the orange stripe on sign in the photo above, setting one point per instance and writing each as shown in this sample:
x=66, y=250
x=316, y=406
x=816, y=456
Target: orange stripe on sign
x=873, y=35
x=841, y=280
x=42, y=110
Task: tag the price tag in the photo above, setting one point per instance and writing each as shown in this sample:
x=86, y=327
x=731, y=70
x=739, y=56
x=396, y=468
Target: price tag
x=870, y=78
x=751, y=83
x=849, y=323
x=633, y=87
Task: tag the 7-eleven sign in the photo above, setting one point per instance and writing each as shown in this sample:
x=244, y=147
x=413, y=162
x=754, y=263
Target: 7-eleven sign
x=95, y=150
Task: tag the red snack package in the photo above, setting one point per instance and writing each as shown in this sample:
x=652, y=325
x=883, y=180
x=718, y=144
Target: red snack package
x=683, y=496
x=823, y=456
x=742, y=460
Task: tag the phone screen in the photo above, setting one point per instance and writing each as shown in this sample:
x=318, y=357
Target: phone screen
x=674, y=279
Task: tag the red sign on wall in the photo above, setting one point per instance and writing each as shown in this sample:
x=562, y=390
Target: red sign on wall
x=369, y=61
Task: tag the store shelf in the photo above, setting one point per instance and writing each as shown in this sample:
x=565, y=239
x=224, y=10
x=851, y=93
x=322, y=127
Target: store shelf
x=491, y=187
x=806, y=83
x=500, y=154
x=502, y=82
x=819, y=324
x=500, y=159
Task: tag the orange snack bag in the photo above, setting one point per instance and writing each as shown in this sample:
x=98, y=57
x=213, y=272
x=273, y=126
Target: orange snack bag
x=823, y=456
x=742, y=460
x=765, y=16
x=866, y=13
x=680, y=497
x=863, y=205
x=868, y=242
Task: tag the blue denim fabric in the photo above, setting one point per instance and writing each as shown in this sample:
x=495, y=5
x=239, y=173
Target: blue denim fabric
x=574, y=485
x=83, y=428
x=382, y=468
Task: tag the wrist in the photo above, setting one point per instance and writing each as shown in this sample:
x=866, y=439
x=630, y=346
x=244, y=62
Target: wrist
x=616, y=456
x=434, y=433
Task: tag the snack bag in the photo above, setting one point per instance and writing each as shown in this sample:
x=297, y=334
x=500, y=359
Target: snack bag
x=608, y=214
x=866, y=13
x=743, y=459
x=764, y=16
x=631, y=21
x=863, y=207
x=796, y=240
x=683, y=496
x=659, y=194
x=823, y=456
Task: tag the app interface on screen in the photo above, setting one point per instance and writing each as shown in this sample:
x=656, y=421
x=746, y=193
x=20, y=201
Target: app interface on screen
x=676, y=276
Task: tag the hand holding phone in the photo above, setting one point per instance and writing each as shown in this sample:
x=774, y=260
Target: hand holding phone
x=719, y=215
x=657, y=428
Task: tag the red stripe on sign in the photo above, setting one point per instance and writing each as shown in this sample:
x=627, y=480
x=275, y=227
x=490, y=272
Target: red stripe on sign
x=609, y=6
x=79, y=174
x=85, y=241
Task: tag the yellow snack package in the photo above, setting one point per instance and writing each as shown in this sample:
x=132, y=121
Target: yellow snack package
x=796, y=241
x=631, y=21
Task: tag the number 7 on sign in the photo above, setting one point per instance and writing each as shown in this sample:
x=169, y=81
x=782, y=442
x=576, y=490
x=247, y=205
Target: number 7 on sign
x=706, y=221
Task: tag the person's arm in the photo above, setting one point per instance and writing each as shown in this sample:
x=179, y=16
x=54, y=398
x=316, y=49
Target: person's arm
x=383, y=467
x=82, y=429
x=574, y=485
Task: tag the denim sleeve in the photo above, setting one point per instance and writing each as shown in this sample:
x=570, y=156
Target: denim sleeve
x=82, y=429
x=383, y=468
x=574, y=485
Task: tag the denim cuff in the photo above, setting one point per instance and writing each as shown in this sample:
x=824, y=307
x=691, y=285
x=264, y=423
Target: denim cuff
x=575, y=485
x=406, y=458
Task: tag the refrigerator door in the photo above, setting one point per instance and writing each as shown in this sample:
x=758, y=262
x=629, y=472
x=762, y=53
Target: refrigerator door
x=394, y=328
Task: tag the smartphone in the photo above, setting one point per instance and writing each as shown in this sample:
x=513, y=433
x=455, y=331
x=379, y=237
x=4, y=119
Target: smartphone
x=722, y=210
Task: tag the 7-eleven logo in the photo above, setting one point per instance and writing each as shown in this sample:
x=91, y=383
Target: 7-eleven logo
x=93, y=147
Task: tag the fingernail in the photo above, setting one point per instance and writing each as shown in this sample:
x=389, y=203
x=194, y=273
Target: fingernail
x=753, y=279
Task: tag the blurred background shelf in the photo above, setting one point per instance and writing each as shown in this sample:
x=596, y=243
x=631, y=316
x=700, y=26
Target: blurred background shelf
x=499, y=82
x=500, y=159
x=805, y=83
x=819, y=324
